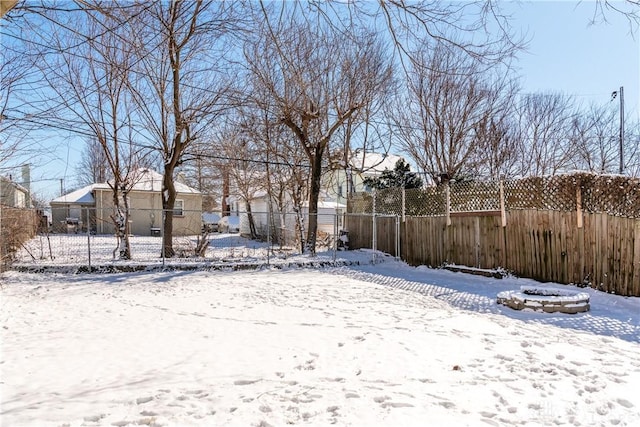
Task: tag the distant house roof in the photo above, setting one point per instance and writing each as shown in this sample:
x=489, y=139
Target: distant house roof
x=14, y=184
x=146, y=180
x=150, y=180
x=374, y=162
x=83, y=196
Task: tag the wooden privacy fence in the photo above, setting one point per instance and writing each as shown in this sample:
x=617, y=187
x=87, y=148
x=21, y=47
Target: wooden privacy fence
x=575, y=244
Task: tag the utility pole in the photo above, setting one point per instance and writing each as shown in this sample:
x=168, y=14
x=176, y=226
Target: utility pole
x=621, y=148
x=621, y=129
x=61, y=188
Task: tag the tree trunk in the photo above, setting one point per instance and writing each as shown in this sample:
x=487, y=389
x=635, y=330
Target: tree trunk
x=168, y=201
x=252, y=223
x=225, y=192
x=314, y=195
x=300, y=228
x=120, y=219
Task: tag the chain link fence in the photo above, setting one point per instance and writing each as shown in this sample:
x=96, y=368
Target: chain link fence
x=86, y=237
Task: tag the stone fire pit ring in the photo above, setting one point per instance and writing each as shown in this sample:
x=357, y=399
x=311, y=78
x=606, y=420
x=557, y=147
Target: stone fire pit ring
x=548, y=300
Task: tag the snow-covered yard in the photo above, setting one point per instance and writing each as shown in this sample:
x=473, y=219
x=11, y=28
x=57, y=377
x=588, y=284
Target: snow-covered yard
x=369, y=345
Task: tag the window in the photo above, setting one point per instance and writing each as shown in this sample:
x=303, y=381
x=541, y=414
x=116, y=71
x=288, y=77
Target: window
x=178, y=208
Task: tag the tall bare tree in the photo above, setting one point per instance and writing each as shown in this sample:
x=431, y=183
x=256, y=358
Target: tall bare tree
x=90, y=75
x=314, y=87
x=595, y=135
x=93, y=166
x=181, y=87
x=498, y=140
x=244, y=166
x=544, y=133
x=444, y=121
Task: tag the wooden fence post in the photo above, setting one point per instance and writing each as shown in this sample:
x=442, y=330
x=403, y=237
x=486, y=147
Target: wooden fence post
x=374, y=231
x=404, y=206
x=503, y=210
x=579, y=206
x=635, y=291
x=447, y=195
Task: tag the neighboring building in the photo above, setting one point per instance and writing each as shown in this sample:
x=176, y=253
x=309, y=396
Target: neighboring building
x=337, y=184
x=13, y=194
x=328, y=213
x=332, y=204
x=93, y=205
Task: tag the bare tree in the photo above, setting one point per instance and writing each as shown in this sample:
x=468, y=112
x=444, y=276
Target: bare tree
x=457, y=26
x=603, y=9
x=246, y=171
x=595, y=136
x=632, y=149
x=544, y=133
x=93, y=166
x=283, y=168
x=180, y=87
x=11, y=72
x=18, y=81
x=498, y=139
x=445, y=120
x=89, y=75
x=314, y=87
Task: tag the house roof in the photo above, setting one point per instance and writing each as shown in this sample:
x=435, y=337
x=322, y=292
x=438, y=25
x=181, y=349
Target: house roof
x=146, y=180
x=14, y=184
x=150, y=180
x=83, y=196
x=374, y=162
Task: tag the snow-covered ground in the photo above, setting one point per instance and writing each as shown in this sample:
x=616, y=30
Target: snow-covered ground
x=368, y=345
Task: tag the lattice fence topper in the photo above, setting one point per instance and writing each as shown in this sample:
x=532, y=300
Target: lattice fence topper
x=360, y=203
x=611, y=194
x=474, y=196
x=430, y=201
x=615, y=195
x=551, y=193
x=389, y=201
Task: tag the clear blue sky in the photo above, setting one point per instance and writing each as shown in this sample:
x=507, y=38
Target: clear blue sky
x=569, y=54
x=566, y=53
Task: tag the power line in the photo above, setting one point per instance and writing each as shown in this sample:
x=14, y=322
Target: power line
x=239, y=159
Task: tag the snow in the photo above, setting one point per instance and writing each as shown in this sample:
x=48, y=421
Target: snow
x=374, y=163
x=150, y=180
x=83, y=195
x=380, y=344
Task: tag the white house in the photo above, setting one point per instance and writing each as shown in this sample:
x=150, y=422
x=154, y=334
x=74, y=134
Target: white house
x=93, y=205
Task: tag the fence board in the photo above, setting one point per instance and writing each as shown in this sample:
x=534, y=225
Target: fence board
x=636, y=260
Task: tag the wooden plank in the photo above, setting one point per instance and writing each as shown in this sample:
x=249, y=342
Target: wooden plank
x=625, y=230
x=476, y=243
x=635, y=291
x=580, y=256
